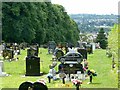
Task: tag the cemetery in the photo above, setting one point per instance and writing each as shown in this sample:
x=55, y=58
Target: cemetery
x=42, y=48
x=36, y=64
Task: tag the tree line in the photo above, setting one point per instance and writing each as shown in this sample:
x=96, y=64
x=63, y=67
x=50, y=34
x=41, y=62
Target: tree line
x=37, y=22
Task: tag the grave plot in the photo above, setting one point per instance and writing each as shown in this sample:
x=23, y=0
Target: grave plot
x=71, y=64
x=23, y=45
x=16, y=48
x=11, y=51
x=90, y=47
x=33, y=61
x=8, y=53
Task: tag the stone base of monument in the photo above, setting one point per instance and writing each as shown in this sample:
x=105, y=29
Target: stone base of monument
x=3, y=74
x=41, y=73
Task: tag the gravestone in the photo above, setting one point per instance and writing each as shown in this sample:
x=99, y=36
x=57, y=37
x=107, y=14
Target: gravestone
x=8, y=52
x=39, y=86
x=83, y=52
x=33, y=86
x=93, y=46
x=32, y=66
x=1, y=49
x=58, y=53
x=51, y=47
x=84, y=44
x=81, y=44
x=37, y=49
x=2, y=73
x=26, y=86
x=8, y=45
x=63, y=46
x=89, y=48
x=72, y=68
x=16, y=48
x=33, y=61
x=23, y=45
x=32, y=51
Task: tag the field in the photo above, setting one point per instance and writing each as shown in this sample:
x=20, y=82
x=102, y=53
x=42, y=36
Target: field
x=106, y=77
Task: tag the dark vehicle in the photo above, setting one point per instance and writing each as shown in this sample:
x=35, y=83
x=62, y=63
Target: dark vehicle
x=71, y=63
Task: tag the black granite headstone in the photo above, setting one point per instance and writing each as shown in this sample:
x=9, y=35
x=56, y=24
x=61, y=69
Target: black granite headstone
x=83, y=52
x=32, y=66
x=89, y=48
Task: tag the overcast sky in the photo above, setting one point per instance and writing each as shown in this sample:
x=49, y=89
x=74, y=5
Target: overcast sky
x=89, y=6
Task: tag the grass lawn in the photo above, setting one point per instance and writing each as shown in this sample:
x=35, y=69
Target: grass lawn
x=106, y=78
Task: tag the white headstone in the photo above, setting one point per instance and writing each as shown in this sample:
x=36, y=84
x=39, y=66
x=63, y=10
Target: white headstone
x=79, y=74
x=1, y=65
x=1, y=49
x=93, y=46
x=2, y=69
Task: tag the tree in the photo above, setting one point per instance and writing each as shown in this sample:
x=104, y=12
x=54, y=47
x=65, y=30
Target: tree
x=113, y=39
x=102, y=39
x=37, y=23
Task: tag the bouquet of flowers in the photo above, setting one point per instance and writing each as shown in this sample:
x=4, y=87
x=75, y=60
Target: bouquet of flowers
x=76, y=82
x=93, y=72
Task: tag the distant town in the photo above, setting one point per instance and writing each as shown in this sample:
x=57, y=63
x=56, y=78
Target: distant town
x=91, y=23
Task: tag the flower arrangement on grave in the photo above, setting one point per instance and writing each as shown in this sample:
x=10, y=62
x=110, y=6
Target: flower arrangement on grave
x=93, y=72
x=63, y=85
x=76, y=82
x=62, y=75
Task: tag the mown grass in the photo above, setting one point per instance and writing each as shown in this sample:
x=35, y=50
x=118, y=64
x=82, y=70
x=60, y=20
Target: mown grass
x=103, y=66
x=106, y=78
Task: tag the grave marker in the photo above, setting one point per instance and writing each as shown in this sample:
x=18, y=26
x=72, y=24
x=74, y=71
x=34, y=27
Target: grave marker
x=89, y=48
x=2, y=73
x=83, y=52
x=51, y=47
x=8, y=52
x=32, y=66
